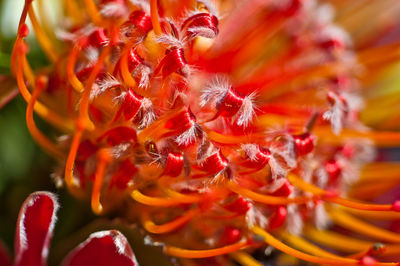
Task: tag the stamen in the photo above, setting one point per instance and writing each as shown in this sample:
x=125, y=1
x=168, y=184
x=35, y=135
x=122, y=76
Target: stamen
x=170, y=226
x=39, y=137
x=154, y=17
x=187, y=253
x=93, y=12
x=103, y=159
x=269, y=200
x=244, y=259
x=163, y=202
x=43, y=39
x=331, y=197
x=269, y=239
x=361, y=227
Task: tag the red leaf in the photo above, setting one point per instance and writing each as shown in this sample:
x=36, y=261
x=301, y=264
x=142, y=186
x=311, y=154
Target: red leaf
x=35, y=226
x=102, y=248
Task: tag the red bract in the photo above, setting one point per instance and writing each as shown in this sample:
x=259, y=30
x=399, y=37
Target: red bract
x=35, y=227
x=102, y=248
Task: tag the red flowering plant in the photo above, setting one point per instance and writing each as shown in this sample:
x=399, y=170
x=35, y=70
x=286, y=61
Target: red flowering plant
x=35, y=227
x=221, y=127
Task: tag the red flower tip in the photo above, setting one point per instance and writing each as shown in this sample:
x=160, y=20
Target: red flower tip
x=102, y=248
x=304, y=143
x=396, y=206
x=23, y=30
x=367, y=261
x=34, y=229
x=278, y=218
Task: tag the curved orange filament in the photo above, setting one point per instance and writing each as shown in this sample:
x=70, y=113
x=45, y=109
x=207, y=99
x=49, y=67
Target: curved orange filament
x=84, y=105
x=302, y=244
x=375, y=215
x=269, y=200
x=126, y=75
x=195, y=254
x=42, y=37
x=69, y=166
x=243, y=258
x=41, y=109
x=269, y=239
x=39, y=137
x=154, y=17
x=349, y=222
x=73, y=11
x=299, y=183
x=93, y=12
x=170, y=226
x=162, y=202
x=103, y=159
x=343, y=243
x=70, y=69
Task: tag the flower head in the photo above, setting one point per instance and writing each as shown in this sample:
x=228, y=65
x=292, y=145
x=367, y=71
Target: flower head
x=219, y=126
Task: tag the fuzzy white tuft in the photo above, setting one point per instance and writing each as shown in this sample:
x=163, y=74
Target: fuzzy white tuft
x=113, y=10
x=214, y=92
x=247, y=111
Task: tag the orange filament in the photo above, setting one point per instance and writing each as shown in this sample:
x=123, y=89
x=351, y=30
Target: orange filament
x=41, y=109
x=187, y=253
x=299, y=183
x=84, y=105
x=69, y=166
x=103, y=159
x=269, y=200
x=70, y=69
x=39, y=137
x=344, y=243
x=73, y=11
x=244, y=258
x=162, y=202
x=269, y=239
x=170, y=226
x=154, y=17
x=92, y=11
x=183, y=197
x=375, y=215
x=43, y=39
x=306, y=246
x=126, y=75
x=349, y=222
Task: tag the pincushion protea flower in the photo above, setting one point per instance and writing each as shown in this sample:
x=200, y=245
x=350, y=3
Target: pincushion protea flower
x=35, y=227
x=220, y=127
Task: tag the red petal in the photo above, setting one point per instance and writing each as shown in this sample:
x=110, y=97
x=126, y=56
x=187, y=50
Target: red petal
x=102, y=248
x=5, y=259
x=35, y=228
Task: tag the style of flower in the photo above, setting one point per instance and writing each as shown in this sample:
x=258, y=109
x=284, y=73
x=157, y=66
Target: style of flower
x=35, y=227
x=220, y=127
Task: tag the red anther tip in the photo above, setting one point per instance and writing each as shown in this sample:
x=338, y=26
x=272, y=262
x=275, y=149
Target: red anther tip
x=230, y=235
x=396, y=206
x=230, y=104
x=98, y=38
x=141, y=20
x=284, y=191
x=239, y=206
x=119, y=135
x=203, y=20
x=214, y=163
x=131, y=104
x=41, y=82
x=367, y=261
x=331, y=194
x=23, y=30
x=278, y=219
x=174, y=164
x=333, y=169
x=304, y=143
